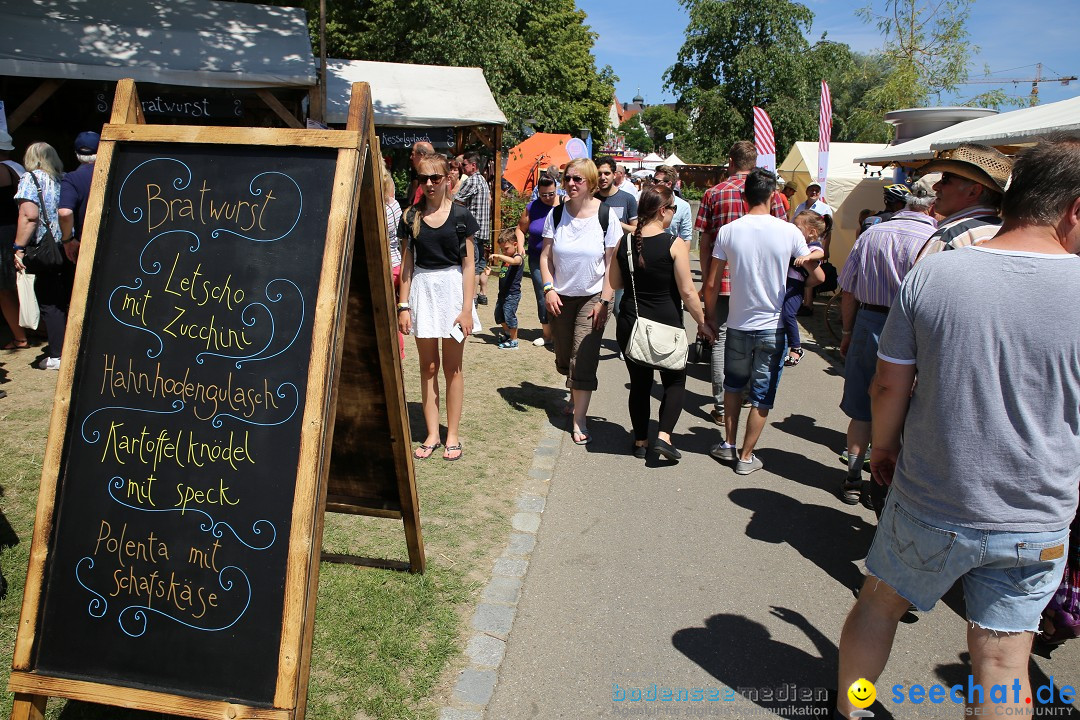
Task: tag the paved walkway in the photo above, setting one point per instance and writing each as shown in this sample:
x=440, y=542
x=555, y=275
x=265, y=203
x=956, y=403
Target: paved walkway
x=689, y=576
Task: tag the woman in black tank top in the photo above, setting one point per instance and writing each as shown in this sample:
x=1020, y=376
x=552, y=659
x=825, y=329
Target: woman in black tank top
x=662, y=285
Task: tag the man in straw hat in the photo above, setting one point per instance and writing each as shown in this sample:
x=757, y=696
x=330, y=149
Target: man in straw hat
x=973, y=178
x=985, y=484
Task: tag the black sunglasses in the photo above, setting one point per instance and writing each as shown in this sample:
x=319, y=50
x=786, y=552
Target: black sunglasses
x=435, y=179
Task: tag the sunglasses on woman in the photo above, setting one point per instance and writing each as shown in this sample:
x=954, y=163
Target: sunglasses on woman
x=576, y=179
x=435, y=179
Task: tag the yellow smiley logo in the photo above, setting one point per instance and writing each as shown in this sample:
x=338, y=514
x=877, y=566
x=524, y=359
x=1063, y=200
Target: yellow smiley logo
x=862, y=693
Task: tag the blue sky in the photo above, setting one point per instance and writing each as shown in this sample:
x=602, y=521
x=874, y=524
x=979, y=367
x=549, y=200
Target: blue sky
x=640, y=39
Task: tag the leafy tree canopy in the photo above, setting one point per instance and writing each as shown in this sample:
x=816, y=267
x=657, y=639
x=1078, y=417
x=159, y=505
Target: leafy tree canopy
x=536, y=54
x=635, y=135
x=742, y=53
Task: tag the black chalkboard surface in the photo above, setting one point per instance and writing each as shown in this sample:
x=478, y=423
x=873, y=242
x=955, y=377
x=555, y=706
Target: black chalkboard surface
x=176, y=484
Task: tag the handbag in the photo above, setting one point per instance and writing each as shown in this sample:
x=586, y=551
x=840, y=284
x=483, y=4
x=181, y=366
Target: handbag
x=653, y=343
x=29, y=313
x=45, y=256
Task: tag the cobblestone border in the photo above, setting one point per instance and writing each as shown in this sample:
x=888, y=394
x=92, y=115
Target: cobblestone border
x=494, y=618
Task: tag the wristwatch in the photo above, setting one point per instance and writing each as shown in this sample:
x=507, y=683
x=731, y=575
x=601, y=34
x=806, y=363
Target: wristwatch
x=605, y=303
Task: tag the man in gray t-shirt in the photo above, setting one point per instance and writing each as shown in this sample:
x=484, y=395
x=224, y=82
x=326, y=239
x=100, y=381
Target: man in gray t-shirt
x=985, y=482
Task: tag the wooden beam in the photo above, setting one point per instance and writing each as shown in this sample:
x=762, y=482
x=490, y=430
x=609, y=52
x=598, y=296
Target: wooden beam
x=342, y=139
x=43, y=92
x=274, y=104
x=497, y=190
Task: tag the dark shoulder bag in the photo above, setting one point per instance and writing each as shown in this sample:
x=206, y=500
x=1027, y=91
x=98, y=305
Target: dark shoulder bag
x=44, y=256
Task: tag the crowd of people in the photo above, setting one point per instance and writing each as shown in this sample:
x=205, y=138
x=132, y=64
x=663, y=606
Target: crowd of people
x=961, y=377
x=40, y=203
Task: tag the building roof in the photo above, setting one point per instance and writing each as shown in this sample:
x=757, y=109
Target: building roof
x=195, y=43
x=406, y=95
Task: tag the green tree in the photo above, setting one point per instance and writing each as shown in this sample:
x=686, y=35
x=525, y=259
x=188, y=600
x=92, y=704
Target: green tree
x=742, y=53
x=926, y=50
x=536, y=54
x=635, y=135
x=663, y=120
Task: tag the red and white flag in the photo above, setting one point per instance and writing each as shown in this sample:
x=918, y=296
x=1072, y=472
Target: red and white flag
x=824, y=136
x=764, y=140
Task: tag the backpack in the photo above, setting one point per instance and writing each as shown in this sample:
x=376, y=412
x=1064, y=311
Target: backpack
x=455, y=215
x=603, y=215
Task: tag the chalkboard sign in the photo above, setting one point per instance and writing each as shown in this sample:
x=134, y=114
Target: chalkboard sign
x=183, y=438
x=176, y=554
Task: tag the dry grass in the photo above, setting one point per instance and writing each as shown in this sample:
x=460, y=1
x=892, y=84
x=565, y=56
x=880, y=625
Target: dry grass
x=387, y=644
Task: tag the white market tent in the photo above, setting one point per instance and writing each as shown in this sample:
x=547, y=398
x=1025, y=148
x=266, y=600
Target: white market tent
x=419, y=96
x=194, y=43
x=187, y=43
x=1009, y=129
x=849, y=189
x=673, y=160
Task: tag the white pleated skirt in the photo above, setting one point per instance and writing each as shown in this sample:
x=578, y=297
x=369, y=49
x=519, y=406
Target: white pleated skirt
x=435, y=297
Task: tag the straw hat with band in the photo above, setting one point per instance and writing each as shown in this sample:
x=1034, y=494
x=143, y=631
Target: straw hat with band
x=977, y=163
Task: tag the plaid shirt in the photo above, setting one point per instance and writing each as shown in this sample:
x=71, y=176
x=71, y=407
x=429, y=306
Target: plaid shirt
x=724, y=203
x=474, y=194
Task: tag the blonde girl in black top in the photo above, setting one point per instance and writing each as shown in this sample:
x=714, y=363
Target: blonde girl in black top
x=435, y=300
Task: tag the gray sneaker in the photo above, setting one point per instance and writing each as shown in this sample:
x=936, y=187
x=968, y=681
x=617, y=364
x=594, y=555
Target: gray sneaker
x=724, y=454
x=745, y=467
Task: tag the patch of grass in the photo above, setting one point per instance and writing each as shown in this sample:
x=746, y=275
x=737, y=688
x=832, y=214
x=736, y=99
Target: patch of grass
x=387, y=645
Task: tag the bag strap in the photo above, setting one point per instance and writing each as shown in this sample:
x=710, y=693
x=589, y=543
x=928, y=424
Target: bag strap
x=461, y=229
x=44, y=210
x=630, y=264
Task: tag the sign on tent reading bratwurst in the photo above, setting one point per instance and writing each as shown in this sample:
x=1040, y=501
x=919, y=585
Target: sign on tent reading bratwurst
x=179, y=469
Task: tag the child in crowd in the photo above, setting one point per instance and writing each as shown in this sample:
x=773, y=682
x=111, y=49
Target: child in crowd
x=510, y=264
x=804, y=272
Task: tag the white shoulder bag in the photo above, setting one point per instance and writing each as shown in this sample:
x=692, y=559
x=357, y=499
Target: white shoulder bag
x=653, y=343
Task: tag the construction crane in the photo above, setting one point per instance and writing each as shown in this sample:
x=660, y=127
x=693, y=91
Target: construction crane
x=1064, y=80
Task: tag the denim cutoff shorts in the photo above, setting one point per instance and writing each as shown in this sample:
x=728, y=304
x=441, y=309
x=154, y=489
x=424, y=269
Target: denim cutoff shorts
x=861, y=364
x=754, y=357
x=1009, y=577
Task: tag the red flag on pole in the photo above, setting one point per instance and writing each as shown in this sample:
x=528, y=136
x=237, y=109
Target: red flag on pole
x=824, y=135
x=764, y=140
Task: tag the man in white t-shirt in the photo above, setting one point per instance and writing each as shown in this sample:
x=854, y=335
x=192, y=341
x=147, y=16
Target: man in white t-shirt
x=757, y=249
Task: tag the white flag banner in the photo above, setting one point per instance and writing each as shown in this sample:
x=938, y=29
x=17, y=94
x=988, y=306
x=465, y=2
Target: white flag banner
x=670, y=136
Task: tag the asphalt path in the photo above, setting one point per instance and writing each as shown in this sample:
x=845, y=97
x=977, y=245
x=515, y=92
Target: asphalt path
x=651, y=576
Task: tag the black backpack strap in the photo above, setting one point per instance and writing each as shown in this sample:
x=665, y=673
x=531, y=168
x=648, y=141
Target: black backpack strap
x=603, y=215
x=462, y=231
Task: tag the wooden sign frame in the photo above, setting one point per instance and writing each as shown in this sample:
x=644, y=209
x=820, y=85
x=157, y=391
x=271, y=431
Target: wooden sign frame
x=356, y=193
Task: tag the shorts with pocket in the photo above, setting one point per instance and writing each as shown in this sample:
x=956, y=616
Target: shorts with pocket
x=1008, y=577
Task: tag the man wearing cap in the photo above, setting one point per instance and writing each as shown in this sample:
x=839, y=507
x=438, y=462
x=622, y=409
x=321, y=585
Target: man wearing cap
x=973, y=178
x=869, y=281
x=75, y=191
x=814, y=201
x=984, y=486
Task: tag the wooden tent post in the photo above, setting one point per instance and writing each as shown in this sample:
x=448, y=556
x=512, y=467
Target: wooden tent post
x=497, y=190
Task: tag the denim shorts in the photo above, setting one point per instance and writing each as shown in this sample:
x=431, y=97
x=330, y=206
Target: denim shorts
x=754, y=357
x=1009, y=577
x=861, y=364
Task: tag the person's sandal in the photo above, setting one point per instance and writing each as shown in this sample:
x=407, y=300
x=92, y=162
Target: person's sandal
x=16, y=345
x=450, y=449
x=850, y=491
x=793, y=361
x=427, y=450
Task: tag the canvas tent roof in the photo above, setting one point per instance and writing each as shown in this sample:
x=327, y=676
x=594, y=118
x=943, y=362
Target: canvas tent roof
x=842, y=159
x=194, y=43
x=673, y=160
x=847, y=191
x=413, y=95
x=1017, y=127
